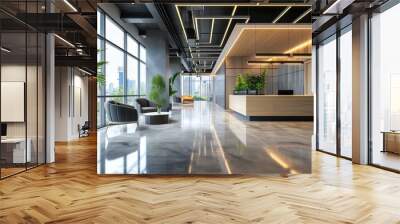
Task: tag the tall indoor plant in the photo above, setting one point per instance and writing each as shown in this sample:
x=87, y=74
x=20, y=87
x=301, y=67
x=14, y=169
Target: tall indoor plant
x=158, y=92
x=171, y=81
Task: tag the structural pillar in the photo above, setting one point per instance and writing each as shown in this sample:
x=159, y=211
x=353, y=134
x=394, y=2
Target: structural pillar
x=360, y=89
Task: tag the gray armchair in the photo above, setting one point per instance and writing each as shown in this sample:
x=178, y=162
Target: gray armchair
x=119, y=113
x=145, y=106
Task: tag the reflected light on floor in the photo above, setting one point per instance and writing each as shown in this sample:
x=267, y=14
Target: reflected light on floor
x=228, y=169
x=278, y=159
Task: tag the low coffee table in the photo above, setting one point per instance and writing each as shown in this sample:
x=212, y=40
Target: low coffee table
x=156, y=118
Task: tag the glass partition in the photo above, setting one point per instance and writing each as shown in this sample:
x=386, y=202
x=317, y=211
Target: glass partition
x=22, y=90
x=327, y=95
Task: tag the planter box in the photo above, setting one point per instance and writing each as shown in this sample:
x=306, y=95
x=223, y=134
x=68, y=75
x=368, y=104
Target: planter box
x=239, y=92
x=251, y=92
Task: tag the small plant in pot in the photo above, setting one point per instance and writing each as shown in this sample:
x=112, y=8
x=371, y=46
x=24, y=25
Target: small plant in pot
x=158, y=92
x=260, y=84
x=252, y=84
x=241, y=85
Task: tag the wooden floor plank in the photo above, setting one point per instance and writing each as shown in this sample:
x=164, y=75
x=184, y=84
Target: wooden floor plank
x=70, y=191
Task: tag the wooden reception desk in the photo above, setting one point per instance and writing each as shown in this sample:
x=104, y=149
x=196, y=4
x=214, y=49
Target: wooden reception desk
x=273, y=107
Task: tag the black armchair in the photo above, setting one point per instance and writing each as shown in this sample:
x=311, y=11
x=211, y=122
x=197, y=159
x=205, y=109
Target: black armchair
x=119, y=113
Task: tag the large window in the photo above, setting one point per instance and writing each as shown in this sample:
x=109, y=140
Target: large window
x=346, y=93
x=327, y=95
x=124, y=69
x=385, y=89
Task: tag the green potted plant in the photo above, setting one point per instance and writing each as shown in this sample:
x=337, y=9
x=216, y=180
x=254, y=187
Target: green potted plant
x=158, y=92
x=241, y=85
x=252, y=81
x=172, y=92
x=260, y=84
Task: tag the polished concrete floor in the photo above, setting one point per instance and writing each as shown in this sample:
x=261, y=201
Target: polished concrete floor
x=204, y=139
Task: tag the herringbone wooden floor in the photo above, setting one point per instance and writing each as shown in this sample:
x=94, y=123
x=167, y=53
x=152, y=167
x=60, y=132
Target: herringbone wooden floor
x=70, y=191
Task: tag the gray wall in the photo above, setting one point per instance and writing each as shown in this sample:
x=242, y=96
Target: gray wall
x=71, y=102
x=285, y=77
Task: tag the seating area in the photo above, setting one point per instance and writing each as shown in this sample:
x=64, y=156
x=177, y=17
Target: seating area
x=187, y=99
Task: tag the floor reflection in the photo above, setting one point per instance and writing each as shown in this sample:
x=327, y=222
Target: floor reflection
x=204, y=139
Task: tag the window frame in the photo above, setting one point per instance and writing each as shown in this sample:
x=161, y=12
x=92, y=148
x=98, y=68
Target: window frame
x=101, y=36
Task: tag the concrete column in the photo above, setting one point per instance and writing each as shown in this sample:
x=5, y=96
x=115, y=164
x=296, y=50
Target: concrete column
x=157, y=61
x=50, y=98
x=360, y=90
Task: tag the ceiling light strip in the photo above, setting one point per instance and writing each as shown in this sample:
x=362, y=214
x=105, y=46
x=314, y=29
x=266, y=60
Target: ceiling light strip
x=251, y=62
x=282, y=14
x=302, y=15
x=180, y=20
x=212, y=28
x=5, y=50
x=298, y=47
x=64, y=40
x=222, y=17
x=70, y=5
x=229, y=24
x=84, y=71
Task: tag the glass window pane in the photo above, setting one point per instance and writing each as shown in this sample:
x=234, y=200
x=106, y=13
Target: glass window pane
x=142, y=79
x=327, y=96
x=185, y=85
x=114, y=33
x=100, y=71
x=114, y=71
x=131, y=100
x=142, y=53
x=100, y=23
x=133, y=46
x=346, y=94
x=385, y=88
x=132, y=76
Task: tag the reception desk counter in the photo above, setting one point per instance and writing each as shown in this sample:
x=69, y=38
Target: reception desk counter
x=273, y=107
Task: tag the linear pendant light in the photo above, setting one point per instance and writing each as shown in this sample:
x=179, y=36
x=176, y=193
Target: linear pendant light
x=70, y=5
x=5, y=50
x=252, y=62
x=64, y=40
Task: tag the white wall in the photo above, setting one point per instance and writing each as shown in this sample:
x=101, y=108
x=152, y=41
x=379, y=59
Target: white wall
x=71, y=102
